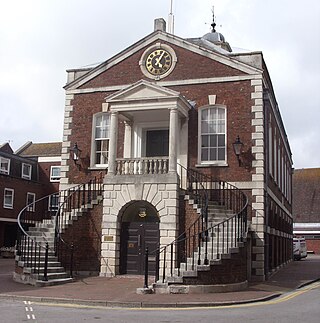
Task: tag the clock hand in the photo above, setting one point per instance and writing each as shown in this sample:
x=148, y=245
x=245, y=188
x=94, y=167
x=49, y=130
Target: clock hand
x=159, y=59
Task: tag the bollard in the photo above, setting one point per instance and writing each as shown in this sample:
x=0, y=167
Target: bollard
x=146, y=269
x=45, y=272
x=157, y=264
x=71, y=260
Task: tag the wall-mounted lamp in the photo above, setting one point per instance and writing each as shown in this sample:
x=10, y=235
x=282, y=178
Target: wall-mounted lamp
x=75, y=154
x=237, y=145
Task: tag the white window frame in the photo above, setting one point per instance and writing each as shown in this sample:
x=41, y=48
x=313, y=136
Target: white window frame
x=94, y=162
x=5, y=170
x=8, y=205
x=212, y=162
x=28, y=174
x=55, y=178
x=32, y=207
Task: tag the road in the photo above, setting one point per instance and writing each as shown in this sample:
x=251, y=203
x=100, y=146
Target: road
x=299, y=306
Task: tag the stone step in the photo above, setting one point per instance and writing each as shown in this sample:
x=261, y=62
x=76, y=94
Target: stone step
x=52, y=282
x=50, y=276
x=52, y=269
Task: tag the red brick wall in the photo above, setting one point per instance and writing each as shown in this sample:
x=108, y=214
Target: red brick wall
x=85, y=234
x=313, y=245
x=128, y=71
x=21, y=187
x=44, y=177
x=230, y=271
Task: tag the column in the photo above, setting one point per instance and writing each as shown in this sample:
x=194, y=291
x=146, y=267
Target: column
x=173, y=139
x=113, y=142
x=127, y=139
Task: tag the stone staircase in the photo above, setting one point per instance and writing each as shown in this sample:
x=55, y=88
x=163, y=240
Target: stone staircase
x=34, y=249
x=218, y=250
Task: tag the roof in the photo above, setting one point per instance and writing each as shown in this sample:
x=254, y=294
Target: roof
x=40, y=149
x=6, y=148
x=306, y=195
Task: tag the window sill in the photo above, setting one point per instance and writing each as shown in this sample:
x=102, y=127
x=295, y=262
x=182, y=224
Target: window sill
x=212, y=165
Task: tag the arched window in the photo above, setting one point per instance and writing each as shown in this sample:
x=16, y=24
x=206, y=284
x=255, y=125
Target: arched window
x=212, y=135
x=101, y=136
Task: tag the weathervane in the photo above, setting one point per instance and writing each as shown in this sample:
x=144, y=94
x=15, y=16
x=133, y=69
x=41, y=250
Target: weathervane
x=213, y=25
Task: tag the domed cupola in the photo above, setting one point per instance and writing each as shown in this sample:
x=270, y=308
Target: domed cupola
x=217, y=38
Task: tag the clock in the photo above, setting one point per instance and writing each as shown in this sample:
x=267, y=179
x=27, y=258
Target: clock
x=158, y=61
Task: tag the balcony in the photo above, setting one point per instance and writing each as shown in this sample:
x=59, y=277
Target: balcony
x=142, y=166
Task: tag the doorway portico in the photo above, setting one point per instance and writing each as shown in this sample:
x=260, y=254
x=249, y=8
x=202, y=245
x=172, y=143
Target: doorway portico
x=153, y=115
x=155, y=140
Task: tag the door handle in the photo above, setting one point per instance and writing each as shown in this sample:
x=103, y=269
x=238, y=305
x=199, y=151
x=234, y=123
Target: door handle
x=139, y=240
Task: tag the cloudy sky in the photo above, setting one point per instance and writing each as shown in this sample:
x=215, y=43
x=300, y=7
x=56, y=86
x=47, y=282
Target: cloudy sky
x=40, y=39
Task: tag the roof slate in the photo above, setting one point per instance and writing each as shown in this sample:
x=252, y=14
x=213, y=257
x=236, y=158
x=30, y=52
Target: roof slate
x=306, y=195
x=42, y=149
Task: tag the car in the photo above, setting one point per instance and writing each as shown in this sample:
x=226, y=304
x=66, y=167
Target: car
x=299, y=248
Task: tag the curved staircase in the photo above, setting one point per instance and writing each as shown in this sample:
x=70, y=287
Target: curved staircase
x=42, y=256
x=210, y=256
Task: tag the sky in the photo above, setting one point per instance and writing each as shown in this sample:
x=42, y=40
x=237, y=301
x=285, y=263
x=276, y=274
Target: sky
x=41, y=39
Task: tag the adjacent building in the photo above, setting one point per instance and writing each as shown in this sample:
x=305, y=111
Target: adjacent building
x=33, y=171
x=306, y=207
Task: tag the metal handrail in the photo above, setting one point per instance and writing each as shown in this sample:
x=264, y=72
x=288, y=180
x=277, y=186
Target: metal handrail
x=73, y=198
x=204, y=188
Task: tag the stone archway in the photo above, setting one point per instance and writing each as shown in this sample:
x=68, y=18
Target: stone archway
x=139, y=229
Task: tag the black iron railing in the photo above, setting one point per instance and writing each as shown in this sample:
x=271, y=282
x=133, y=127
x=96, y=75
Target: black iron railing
x=42, y=223
x=203, y=240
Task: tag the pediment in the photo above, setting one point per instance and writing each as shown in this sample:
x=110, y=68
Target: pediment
x=214, y=55
x=142, y=90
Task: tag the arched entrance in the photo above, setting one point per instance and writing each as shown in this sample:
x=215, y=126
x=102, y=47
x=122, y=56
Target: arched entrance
x=139, y=229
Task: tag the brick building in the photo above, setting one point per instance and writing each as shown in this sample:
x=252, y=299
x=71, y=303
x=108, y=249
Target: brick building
x=189, y=139
x=25, y=176
x=306, y=206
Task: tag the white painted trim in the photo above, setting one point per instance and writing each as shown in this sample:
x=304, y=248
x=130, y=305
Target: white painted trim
x=169, y=83
x=50, y=159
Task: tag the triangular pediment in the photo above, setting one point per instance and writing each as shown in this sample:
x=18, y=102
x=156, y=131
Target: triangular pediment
x=153, y=38
x=142, y=90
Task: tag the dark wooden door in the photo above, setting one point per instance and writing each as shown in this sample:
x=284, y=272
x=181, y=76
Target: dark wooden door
x=135, y=237
x=157, y=143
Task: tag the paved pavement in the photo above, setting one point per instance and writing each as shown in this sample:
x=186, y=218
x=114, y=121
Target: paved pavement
x=121, y=290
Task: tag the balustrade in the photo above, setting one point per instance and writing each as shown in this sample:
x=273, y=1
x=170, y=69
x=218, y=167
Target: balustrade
x=142, y=166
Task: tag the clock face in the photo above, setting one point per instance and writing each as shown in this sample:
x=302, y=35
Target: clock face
x=158, y=62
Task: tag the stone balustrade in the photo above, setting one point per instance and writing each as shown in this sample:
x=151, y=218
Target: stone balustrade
x=141, y=166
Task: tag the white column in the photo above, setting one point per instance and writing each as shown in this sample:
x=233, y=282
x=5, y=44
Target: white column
x=113, y=142
x=127, y=139
x=173, y=139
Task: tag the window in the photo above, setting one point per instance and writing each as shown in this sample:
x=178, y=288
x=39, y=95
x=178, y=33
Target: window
x=26, y=171
x=53, y=202
x=270, y=148
x=55, y=173
x=8, y=198
x=4, y=165
x=31, y=197
x=212, y=135
x=101, y=139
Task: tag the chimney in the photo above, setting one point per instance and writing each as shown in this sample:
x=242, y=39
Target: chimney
x=160, y=24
